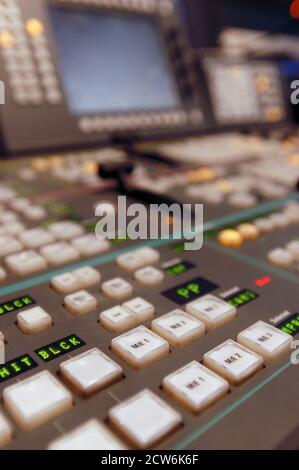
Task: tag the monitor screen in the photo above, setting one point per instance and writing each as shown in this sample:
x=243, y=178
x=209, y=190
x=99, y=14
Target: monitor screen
x=256, y=85
x=112, y=62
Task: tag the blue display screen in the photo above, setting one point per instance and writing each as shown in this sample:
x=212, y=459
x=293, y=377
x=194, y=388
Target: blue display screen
x=112, y=62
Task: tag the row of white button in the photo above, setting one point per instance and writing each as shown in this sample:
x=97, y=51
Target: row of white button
x=138, y=259
x=207, y=312
x=81, y=278
x=144, y=419
x=142, y=347
x=55, y=254
x=41, y=398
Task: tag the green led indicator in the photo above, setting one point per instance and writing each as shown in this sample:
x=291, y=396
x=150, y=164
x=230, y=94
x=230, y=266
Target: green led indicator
x=59, y=348
x=241, y=298
x=16, y=367
x=290, y=325
x=179, y=268
x=190, y=290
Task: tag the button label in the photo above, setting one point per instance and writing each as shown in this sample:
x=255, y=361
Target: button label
x=16, y=367
x=59, y=348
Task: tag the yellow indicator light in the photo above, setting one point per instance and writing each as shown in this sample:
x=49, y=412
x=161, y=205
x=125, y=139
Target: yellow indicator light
x=230, y=238
x=248, y=231
x=273, y=114
x=294, y=159
x=6, y=39
x=262, y=83
x=224, y=186
x=201, y=175
x=34, y=27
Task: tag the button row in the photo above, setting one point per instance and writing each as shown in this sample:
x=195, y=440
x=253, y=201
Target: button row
x=18, y=58
x=286, y=257
x=234, y=238
x=45, y=65
x=54, y=253
x=40, y=398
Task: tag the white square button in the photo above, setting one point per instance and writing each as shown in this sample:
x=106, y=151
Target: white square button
x=149, y=276
x=26, y=262
x=80, y=303
x=117, y=319
x=178, y=328
x=60, y=253
x=90, y=436
x=89, y=245
x=140, y=348
x=141, y=309
x=214, y=312
x=144, y=419
x=9, y=245
x=34, y=320
x=149, y=255
x=117, y=289
x=5, y=431
x=65, y=230
x=130, y=261
x=90, y=372
x=195, y=387
x=13, y=228
x=36, y=237
x=36, y=400
x=266, y=340
x=233, y=362
x=88, y=276
x=35, y=213
x=66, y=283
